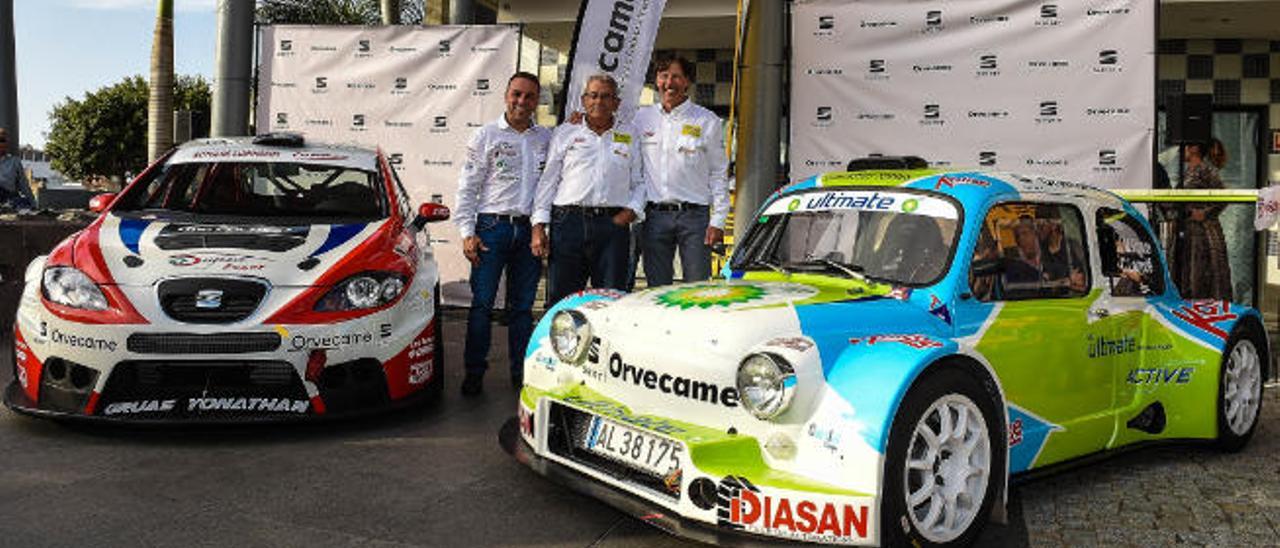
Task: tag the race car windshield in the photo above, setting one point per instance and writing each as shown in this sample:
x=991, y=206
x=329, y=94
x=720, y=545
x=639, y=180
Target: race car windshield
x=260, y=189
x=890, y=236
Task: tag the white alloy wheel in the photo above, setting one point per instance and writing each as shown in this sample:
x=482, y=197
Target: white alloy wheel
x=947, y=468
x=1242, y=392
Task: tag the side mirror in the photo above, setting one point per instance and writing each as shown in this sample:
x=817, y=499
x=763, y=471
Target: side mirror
x=430, y=212
x=99, y=203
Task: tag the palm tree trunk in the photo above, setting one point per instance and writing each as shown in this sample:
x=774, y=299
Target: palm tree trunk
x=160, y=103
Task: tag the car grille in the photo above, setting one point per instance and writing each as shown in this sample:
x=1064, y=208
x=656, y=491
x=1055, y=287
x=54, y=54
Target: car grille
x=216, y=343
x=174, y=238
x=239, y=299
x=566, y=430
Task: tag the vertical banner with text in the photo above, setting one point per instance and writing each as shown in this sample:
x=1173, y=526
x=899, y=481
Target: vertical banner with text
x=614, y=37
x=1062, y=89
x=416, y=92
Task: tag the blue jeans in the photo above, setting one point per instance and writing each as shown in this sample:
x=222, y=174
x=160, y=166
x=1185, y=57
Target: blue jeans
x=586, y=248
x=668, y=231
x=508, y=245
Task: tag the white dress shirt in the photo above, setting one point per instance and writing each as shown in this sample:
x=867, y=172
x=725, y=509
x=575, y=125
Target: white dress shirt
x=684, y=157
x=586, y=169
x=501, y=172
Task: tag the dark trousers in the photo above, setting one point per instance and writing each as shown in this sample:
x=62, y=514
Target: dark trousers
x=666, y=232
x=508, y=245
x=586, y=248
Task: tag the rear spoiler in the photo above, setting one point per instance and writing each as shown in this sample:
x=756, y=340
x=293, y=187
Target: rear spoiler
x=1164, y=196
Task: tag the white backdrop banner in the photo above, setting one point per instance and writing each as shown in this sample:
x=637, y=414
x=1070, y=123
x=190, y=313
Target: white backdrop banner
x=417, y=92
x=1063, y=89
x=614, y=37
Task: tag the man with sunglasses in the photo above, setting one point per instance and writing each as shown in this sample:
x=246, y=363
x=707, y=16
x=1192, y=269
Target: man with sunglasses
x=15, y=191
x=590, y=192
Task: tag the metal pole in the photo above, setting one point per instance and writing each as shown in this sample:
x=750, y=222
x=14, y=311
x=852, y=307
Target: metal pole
x=462, y=12
x=390, y=12
x=233, y=69
x=760, y=108
x=8, y=77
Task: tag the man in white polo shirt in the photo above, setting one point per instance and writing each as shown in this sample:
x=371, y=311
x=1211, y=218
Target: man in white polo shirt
x=495, y=198
x=590, y=192
x=685, y=167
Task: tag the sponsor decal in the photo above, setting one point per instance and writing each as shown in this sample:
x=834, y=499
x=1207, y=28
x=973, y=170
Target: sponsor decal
x=419, y=372
x=826, y=26
x=235, y=153
x=219, y=261
x=1205, y=314
x=706, y=296
x=877, y=69
x=825, y=71
x=357, y=122
x=743, y=506
x=57, y=336
x=546, y=361
x=850, y=200
x=932, y=115
x=600, y=304
x=622, y=414
x=1048, y=16
x=318, y=122
x=400, y=86
x=286, y=48
x=873, y=24
x=444, y=47
x=986, y=19
x=432, y=162
x=939, y=309
x=440, y=124
x=987, y=158
x=933, y=22
x=676, y=385
x=402, y=49
x=482, y=88
x=422, y=346
x=304, y=342
x=1160, y=375
x=1108, y=162
x=361, y=85
x=1048, y=113
x=1047, y=162
x=321, y=85
x=324, y=48
x=1048, y=63
x=900, y=292
x=441, y=87
x=950, y=181
x=918, y=342
x=1015, y=433
x=936, y=68
x=989, y=114
x=829, y=437
x=1095, y=12
x=875, y=116
x=307, y=157
x=620, y=27
x=282, y=118
x=1100, y=346
x=798, y=344
x=142, y=406
x=363, y=48
x=272, y=405
x=396, y=124
x=1108, y=62
x=1107, y=111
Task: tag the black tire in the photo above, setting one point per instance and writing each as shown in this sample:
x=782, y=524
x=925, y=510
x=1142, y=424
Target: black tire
x=897, y=527
x=1248, y=330
x=435, y=386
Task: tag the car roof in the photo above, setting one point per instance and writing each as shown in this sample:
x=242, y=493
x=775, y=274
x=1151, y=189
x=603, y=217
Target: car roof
x=970, y=187
x=244, y=149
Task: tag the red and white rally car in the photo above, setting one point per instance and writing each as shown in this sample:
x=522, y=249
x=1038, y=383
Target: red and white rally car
x=236, y=279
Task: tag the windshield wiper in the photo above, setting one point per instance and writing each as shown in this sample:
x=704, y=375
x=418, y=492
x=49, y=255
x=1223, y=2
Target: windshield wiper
x=850, y=270
x=766, y=262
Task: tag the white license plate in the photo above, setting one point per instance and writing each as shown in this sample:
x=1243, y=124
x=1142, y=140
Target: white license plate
x=633, y=447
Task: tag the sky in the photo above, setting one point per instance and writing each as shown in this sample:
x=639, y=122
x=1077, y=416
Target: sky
x=65, y=48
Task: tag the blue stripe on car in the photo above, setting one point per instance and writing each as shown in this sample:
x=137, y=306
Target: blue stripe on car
x=338, y=235
x=131, y=232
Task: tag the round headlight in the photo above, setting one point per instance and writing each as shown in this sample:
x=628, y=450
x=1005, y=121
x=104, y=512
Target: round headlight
x=363, y=292
x=766, y=383
x=570, y=335
x=391, y=288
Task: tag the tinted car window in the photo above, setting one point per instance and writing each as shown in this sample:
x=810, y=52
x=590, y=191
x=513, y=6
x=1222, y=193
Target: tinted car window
x=1030, y=251
x=260, y=189
x=1130, y=258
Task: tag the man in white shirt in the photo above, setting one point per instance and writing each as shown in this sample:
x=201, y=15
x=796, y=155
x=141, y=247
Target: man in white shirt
x=684, y=166
x=590, y=192
x=495, y=197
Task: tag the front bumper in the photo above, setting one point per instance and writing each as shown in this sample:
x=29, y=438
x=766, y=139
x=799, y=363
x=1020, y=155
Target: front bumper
x=636, y=507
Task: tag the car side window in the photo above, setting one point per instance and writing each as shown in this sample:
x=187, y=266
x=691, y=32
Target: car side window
x=1130, y=256
x=1030, y=251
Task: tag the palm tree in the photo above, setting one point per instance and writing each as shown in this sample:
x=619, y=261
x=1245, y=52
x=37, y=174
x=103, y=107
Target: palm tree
x=334, y=12
x=160, y=102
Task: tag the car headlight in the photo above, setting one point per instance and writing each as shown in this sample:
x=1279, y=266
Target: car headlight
x=68, y=286
x=364, y=290
x=570, y=335
x=766, y=383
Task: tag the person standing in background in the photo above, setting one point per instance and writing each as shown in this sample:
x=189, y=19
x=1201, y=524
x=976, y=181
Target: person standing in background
x=1203, y=269
x=685, y=166
x=15, y=190
x=495, y=198
x=590, y=192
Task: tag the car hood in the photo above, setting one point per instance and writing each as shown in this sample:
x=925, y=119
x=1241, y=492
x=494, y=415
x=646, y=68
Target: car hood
x=139, y=251
x=732, y=316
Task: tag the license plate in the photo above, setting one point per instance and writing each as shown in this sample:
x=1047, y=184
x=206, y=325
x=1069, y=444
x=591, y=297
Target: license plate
x=633, y=447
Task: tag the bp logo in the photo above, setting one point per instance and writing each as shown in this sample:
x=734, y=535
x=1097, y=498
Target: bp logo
x=706, y=296
x=910, y=205
x=794, y=205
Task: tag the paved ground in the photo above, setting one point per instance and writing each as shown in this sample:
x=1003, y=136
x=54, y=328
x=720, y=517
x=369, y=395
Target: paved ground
x=436, y=477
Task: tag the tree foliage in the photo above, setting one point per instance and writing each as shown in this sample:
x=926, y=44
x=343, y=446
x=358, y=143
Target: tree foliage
x=334, y=12
x=105, y=133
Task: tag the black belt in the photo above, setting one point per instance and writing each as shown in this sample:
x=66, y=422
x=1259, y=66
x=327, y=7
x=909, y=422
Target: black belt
x=674, y=206
x=502, y=217
x=590, y=211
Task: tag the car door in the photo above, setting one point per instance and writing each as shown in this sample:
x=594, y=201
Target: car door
x=1032, y=264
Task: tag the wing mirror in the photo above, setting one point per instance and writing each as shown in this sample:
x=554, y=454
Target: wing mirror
x=99, y=203
x=430, y=212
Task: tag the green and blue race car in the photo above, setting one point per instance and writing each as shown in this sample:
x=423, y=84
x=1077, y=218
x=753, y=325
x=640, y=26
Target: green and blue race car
x=888, y=348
